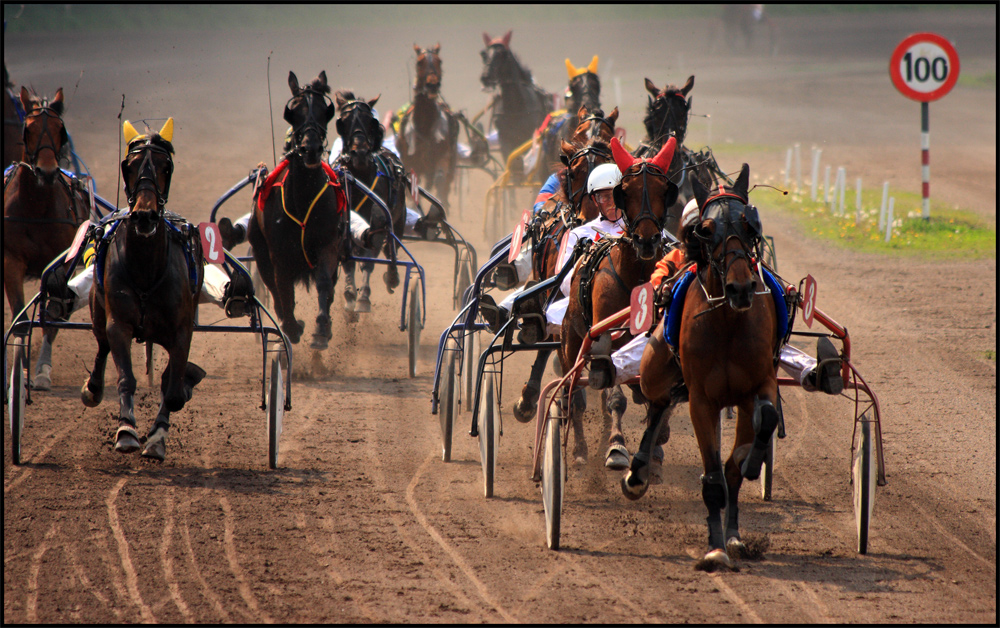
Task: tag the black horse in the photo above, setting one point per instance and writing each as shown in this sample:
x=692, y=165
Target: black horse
x=667, y=112
x=299, y=223
x=520, y=106
x=382, y=172
x=584, y=91
x=148, y=276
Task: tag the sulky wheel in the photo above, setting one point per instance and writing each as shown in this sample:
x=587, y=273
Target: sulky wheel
x=413, y=326
x=463, y=281
x=489, y=434
x=448, y=407
x=275, y=412
x=553, y=480
x=470, y=366
x=863, y=478
x=17, y=393
x=767, y=470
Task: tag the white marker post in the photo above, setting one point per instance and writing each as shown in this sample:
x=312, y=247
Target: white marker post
x=842, y=183
x=888, y=222
x=885, y=201
x=798, y=168
x=826, y=187
x=815, y=173
x=788, y=166
x=924, y=67
x=857, y=205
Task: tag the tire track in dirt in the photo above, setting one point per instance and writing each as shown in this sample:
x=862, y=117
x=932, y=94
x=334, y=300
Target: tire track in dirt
x=232, y=555
x=88, y=585
x=26, y=471
x=206, y=590
x=31, y=603
x=125, y=559
x=167, y=560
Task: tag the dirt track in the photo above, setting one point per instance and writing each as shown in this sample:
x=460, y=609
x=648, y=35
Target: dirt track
x=362, y=522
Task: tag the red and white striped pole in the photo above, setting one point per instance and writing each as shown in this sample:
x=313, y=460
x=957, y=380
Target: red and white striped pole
x=925, y=157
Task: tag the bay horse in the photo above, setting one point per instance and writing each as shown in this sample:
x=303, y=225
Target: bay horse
x=667, y=112
x=42, y=208
x=568, y=208
x=428, y=131
x=299, y=226
x=584, y=91
x=603, y=281
x=148, y=275
x=382, y=172
x=520, y=106
x=722, y=310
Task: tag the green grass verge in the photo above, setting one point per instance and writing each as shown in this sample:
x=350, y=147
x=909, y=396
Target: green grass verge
x=986, y=80
x=951, y=232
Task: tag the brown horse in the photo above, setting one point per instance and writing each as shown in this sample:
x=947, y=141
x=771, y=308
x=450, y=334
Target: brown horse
x=298, y=229
x=428, y=131
x=42, y=208
x=568, y=208
x=604, y=278
x=720, y=313
x=382, y=172
x=148, y=275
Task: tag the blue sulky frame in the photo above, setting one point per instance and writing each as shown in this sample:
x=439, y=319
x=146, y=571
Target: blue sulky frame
x=23, y=324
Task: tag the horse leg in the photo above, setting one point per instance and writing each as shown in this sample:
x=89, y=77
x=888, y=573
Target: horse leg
x=714, y=487
x=43, y=368
x=120, y=341
x=614, y=405
x=636, y=481
x=578, y=405
x=326, y=278
x=13, y=285
x=524, y=408
x=391, y=275
x=93, y=389
x=350, y=290
x=364, y=296
x=284, y=305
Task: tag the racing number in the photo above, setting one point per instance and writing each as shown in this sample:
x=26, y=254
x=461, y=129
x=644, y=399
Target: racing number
x=809, y=305
x=641, y=317
x=211, y=242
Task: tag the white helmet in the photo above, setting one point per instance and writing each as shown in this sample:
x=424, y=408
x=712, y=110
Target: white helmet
x=603, y=177
x=691, y=213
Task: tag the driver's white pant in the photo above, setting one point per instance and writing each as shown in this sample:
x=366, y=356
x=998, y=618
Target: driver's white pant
x=211, y=290
x=357, y=226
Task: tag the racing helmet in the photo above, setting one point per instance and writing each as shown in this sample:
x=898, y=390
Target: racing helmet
x=691, y=213
x=603, y=177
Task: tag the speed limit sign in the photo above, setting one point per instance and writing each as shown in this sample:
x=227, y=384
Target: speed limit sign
x=924, y=67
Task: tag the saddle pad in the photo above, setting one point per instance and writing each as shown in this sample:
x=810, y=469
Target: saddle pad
x=271, y=181
x=672, y=326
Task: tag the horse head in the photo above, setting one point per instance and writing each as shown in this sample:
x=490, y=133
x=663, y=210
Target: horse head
x=594, y=124
x=309, y=111
x=358, y=127
x=584, y=86
x=44, y=133
x=146, y=172
x=727, y=239
x=428, y=71
x=580, y=156
x=496, y=57
x=667, y=111
x=645, y=195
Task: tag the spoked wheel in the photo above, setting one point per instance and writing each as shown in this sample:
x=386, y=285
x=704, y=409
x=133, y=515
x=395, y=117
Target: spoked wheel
x=767, y=470
x=259, y=289
x=275, y=412
x=863, y=478
x=553, y=480
x=463, y=282
x=470, y=355
x=448, y=407
x=489, y=434
x=413, y=325
x=16, y=396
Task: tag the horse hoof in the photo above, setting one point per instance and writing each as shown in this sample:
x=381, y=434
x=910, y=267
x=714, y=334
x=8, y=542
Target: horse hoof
x=43, y=378
x=364, y=305
x=735, y=548
x=350, y=317
x=524, y=410
x=319, y=342
x=156, y=445
x=617, y=458
x=90, y=398
x=632, y=487
x=349, y=304
x=391, y=279
x=715, y=560
x=656, y=466
x=126, y=439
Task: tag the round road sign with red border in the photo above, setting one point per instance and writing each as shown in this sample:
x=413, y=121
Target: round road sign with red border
x=924, y=67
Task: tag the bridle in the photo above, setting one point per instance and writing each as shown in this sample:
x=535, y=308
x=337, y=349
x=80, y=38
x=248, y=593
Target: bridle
x=433, y=61
x=44, y=112
x=353, y=113
x=311, y=122
x=580, y=85
x=147, y=176
x=742, y=223
x=591, y=153
x=677, y=125
x=646, y=170
x=492, y=56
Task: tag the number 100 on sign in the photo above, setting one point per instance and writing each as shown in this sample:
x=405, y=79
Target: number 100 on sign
x=924, y=67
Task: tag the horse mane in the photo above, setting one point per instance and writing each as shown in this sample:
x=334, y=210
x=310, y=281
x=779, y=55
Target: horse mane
x=347, y=94
x=317, y=85
x=157, y=140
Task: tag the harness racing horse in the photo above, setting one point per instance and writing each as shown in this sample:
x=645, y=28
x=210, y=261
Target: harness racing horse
x=722, y=310
x=568, y=208
x=148, y=275
x=297, y=232
x=667, y=112
x=382, y=172
x=520, y=106
x=603, y=281
x=428, y=130
x=584, y=91
x=42, y=208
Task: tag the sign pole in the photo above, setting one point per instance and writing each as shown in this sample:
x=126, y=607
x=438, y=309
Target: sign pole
x=925, y=145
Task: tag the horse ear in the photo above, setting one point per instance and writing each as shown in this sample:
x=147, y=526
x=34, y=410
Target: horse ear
x=506, y=38
x=623, y=160
x=666, y=154
x=651, y=88
x=129, y=132
x=742, y=185
x=592, y=68
x=339, y=98
x=322, y=77
x=570, y=70
x=582, y=113
x=57, y=102
x=437, y=48
x=371, y=103
x=293, y=83
x=613, y=116
x=567, y=148
x=417, y=49
x=700, y=193
x=687, y=86
x=487, y=39
x=167, y=132
x=25, y=99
